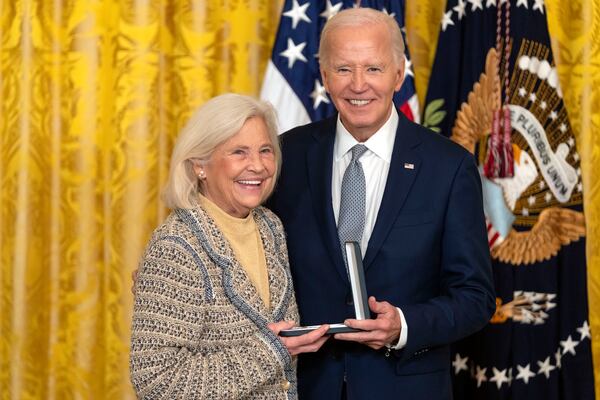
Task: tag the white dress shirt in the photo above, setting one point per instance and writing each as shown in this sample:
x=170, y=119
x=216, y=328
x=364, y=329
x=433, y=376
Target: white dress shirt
x=375, y=163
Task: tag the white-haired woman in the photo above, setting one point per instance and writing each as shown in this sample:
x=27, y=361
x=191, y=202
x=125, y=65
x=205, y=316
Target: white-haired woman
x=214, y=287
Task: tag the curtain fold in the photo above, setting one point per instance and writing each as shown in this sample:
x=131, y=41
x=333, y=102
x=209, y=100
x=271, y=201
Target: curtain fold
x=93, y=94
x=575, y=32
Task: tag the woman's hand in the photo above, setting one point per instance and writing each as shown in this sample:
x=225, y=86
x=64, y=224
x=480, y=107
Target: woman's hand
x=307, y=343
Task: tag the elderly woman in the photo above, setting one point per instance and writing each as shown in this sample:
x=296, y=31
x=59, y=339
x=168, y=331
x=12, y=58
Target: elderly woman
x=214, y=289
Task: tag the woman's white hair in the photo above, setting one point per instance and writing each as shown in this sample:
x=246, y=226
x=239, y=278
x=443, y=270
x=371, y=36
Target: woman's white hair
x=211, y=125
x=357, y=17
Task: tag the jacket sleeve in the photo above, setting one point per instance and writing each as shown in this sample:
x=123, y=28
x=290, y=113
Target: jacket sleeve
x=466, y=301
x=172, y=357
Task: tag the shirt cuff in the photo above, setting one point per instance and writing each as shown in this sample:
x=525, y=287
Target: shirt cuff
x=403, y=333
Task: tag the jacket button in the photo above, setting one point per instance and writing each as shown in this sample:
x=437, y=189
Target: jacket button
x=285, y=385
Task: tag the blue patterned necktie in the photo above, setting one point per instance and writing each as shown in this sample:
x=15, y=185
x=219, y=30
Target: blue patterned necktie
x=351, y=220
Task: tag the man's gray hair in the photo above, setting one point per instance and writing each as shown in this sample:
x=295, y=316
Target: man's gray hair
x=357, y=17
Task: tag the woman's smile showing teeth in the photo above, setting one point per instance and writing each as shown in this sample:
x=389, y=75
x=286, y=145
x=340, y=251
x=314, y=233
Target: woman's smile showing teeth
x=250, y=182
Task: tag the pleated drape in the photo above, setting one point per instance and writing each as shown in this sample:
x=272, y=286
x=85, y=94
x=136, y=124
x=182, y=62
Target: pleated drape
x=93, y=94
x=575, y=34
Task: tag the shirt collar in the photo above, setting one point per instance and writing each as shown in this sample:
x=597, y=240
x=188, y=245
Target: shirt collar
x=381, y=143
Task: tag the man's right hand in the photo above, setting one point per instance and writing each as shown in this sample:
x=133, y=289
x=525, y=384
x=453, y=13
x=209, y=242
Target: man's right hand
x=376, y=333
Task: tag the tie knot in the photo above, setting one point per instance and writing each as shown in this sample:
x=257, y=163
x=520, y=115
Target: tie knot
x=357, y=151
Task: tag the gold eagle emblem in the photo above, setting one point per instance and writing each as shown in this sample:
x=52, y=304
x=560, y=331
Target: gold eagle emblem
x=533, y=205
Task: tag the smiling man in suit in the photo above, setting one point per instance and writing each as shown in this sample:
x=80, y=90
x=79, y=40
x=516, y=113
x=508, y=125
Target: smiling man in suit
x=410, y=197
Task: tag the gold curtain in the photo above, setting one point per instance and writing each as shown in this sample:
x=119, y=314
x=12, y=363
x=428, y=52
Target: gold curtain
x=575, y=33
x=92, y=95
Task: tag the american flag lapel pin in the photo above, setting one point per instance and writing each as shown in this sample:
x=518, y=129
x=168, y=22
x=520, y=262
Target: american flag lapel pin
x=409, y=166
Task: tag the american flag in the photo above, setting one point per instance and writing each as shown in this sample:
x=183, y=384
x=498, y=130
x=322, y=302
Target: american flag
x=292, y=80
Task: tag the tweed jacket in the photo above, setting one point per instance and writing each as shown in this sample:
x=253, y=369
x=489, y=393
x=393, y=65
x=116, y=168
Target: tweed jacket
x=199, y=325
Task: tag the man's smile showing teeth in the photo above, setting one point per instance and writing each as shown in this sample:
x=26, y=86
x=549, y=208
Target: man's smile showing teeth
x=355, y=102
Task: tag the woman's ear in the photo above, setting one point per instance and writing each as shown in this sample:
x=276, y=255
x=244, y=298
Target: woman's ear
x=198, y=167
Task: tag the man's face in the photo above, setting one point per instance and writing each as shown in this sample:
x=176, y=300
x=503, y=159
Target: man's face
x=361, y=77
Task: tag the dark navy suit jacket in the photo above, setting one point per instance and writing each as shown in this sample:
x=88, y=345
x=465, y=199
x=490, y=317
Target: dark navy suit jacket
x=428, y=255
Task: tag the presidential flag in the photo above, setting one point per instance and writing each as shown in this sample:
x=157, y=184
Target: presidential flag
x=494, y=89
x=292, y=80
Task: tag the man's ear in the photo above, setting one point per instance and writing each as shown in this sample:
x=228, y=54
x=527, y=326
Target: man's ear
x=400, y=77
x=324, y=79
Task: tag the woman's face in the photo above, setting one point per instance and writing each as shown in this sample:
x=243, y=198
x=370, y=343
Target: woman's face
x=240, y=171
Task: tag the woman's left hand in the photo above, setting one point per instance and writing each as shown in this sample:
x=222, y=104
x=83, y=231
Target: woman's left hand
x=307, y=343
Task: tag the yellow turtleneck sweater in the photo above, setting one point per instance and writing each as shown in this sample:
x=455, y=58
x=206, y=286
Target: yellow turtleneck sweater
x=244, y=239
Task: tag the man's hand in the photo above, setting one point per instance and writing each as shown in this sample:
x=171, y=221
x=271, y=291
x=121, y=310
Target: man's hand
x=307, y=343
x=385, y=329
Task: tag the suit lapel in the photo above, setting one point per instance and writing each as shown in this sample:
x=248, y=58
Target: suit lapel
x=404, y=168
x=319, y=159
